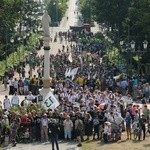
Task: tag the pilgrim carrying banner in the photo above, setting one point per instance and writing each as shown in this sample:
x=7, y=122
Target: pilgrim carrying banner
x=50, y=101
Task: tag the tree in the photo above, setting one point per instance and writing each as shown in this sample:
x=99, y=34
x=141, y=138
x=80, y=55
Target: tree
x=9, y=10
x=85, y=6
x=56, y=10
x=111, y=12
x=139, y=24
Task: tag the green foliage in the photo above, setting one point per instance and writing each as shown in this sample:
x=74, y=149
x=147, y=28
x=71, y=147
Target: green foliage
x=19, y=54
x=56, y=10
x=26, y=109
x=85, y=6
x=112, y=13
x=129, y=19
x=9, y=17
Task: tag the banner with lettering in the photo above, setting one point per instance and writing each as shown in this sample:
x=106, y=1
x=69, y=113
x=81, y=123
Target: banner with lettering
x=50, y=101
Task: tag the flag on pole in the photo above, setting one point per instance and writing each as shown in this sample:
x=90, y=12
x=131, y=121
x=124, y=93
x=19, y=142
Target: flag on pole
x=70, y=58
x=66, y=72
x=81, y=62
x=74, y=72
x=117, y=77
x=94, y=77
x=69, y=72
x=89, y=76
x=50, y=101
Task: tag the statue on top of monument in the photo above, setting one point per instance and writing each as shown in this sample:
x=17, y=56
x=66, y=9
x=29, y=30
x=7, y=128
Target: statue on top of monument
x=45, y=23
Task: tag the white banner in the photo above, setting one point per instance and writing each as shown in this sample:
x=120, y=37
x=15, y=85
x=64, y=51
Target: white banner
x=50, y=101
x=69, y=72
x=117, y=77
x=66, y=72
x=89, y=76
x=74, y=72
x=94, y=77
x=70, y=58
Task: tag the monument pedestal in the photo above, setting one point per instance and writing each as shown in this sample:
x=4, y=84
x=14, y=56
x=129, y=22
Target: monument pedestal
x=44, y=92
x=46, y=83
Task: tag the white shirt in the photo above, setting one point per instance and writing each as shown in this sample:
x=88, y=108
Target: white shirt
x=15, y=100
x=68, y=125
x=44, y=122
x=16, y=84
x=30, y=97
x=7, y=103
x=118, y=119
x=106, y=129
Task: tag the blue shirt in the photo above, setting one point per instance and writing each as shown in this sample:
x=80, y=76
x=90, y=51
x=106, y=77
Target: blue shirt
x=26, y=82
x=128, y=121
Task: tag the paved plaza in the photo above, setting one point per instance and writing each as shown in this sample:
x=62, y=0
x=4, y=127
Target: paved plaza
x=44, y=146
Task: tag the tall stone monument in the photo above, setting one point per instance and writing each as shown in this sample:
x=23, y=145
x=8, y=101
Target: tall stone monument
x=46, y=39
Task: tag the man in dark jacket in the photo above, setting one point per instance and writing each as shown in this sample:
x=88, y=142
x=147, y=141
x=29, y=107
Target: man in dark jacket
x=142, y=122
x=54, y=131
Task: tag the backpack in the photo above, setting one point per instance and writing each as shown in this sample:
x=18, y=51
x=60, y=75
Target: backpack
x=80, y=125
x=22, y=103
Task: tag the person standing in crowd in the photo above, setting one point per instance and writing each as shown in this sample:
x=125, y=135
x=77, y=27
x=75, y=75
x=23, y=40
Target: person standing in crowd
x=96, y=127
x=44, y=128
x=68, y=126
x=123, y=86
x=7, y=103
x=106, y=131
x=88, y=125
x=20, y=86
x=128, y=121
x=5, y=81
x=33, y=84
x=142, y=123
x=38, y=126
x=30, y=97
x=54, y=131
x=15, y=99
x=146, y=112
x=146, y=91
x=26, y=85
x=14, y=128
x=11, y=86
x=24, y=102
x=16, y=85
x=78, y=129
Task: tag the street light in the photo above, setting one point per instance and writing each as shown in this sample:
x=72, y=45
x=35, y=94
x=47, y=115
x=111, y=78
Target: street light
x=129, y=48
x=25, y=42
x=139, y=51
x=19, y=47
x=12, y=41
x=55, y=3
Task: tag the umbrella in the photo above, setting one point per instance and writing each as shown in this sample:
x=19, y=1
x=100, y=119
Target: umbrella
x=101, y=106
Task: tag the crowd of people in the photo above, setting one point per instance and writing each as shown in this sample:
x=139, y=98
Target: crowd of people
x=98, y=100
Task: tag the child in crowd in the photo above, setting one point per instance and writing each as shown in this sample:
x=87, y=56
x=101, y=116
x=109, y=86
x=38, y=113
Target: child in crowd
x=106, y=133
x=128, y=121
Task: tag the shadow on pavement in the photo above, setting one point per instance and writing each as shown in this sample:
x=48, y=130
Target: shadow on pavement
x=146, y=145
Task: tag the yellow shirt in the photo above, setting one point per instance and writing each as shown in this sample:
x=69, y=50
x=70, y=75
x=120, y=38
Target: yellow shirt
x=80, y=81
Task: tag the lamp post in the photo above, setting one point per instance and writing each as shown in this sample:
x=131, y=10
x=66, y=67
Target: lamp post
x=55, y=3
x=24, y=42
x=139, y=51
x=129, y=49
x=12, y=41
x=19, y=47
